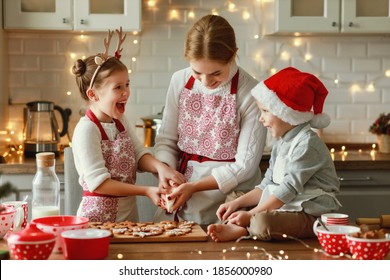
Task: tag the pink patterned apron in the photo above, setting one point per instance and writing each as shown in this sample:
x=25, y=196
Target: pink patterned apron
x=119, y=155
x=208, y=132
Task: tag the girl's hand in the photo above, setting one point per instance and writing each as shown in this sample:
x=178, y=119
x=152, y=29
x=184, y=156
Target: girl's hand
x=240, y=218
x=225, y=209
x=154, y=195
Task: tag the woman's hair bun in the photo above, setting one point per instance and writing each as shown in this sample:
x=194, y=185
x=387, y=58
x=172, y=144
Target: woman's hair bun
x=79, y=68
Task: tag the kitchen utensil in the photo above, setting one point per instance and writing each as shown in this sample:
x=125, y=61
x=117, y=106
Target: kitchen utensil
x=382, y=221
x=41, y=132
x=7, y=216
x=334, y=241
x=368, y=249
x=31, y=243
x=86, y=244
x=151, y=127
x=21, y=214
x=58, y=224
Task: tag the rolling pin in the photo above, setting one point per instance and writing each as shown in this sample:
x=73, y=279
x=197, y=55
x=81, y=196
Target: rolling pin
x=383, y=221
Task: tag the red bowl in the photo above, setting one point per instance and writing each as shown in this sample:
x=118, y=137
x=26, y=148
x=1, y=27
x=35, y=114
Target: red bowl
x=86, y=244
x=368, y=249
x=31, y=244
x=58, y=224
x=334, y=241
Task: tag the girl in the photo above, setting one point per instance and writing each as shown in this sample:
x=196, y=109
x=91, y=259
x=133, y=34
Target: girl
x=209, y=130
x=106, y=151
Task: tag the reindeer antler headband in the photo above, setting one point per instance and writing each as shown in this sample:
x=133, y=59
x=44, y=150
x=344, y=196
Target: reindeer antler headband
x=101, y=58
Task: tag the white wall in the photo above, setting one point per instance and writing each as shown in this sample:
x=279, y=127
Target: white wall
x=40, y=62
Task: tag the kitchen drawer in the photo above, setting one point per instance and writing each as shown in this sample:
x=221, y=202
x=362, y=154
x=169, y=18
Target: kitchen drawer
x=364, y=178
x=364, y=193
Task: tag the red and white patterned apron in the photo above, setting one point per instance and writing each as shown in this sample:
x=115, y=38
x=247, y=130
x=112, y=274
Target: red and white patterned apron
x=119, y=156
x=208, y=132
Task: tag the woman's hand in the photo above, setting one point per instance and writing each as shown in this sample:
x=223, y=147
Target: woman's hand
x=240, y=218
x=168, y=177
x=181, y=194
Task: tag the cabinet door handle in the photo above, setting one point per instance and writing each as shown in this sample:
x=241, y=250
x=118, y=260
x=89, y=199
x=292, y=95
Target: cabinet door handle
x=334, y=24
x=82, y=21
x=350, y=24
x=343, y=179
x=65, y=20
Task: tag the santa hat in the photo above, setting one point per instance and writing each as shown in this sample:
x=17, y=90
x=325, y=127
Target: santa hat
x=291, y=94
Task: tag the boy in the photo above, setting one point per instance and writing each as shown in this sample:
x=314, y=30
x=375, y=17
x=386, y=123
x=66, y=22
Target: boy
x=301, y=181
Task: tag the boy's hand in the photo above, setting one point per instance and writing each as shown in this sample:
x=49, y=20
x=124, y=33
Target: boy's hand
x=225, y=209
x=240, y=218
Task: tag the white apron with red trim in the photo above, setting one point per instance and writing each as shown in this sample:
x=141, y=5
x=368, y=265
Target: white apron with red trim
x=278, y=174
x=119, y=156
x=208, y=126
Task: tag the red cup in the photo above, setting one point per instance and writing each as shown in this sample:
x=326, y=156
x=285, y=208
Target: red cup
x=21, y=215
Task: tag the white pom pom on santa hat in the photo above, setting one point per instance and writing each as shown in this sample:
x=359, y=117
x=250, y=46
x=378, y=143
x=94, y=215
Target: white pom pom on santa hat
x=291, y=95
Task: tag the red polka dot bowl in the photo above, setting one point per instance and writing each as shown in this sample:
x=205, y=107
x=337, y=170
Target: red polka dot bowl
x=31, y=244
x=368, y=249
x=58, y=224
x=7, y=216
x=333, y=240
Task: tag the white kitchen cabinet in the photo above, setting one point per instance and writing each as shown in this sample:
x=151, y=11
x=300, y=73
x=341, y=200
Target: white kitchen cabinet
x=23, y=184
x=364, y=193
x=326, y=16
x=83, y=15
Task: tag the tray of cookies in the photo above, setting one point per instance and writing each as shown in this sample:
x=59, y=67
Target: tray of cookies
x=165, y=231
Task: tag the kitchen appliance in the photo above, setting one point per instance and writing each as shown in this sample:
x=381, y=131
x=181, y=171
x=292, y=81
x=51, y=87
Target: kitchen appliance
x=151, y=127
x=41, y=132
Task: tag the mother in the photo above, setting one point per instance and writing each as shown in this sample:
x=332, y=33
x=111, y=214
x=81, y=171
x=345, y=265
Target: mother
x=210, y=130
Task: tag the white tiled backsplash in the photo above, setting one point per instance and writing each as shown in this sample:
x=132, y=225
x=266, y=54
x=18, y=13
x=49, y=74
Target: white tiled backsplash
x=40, y=63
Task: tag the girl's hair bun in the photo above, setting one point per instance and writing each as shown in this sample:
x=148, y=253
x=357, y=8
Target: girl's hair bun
x=79, y=68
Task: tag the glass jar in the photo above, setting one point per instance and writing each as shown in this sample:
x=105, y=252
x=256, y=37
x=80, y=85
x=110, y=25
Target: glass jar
x=46, y=187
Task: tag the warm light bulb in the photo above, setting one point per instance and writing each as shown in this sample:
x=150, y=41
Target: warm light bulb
x=370, y=88
x=256, y=36
x=273, y=71
x=135, y=32
x=336, y=81
x=387, y=73
x=129, y=71
x=72, y=55
x=214, y=12
x=151, y=3
x=135, y=42
x=297, y=42
x=68, y=93
x=174, y=15
x=285, y=55
x=231, y=7
x=83, y=57
x=246, y=15
x=191, y=15
x=134, y=59
x=308, y=57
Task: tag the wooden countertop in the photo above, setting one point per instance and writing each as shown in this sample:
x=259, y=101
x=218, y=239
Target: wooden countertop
x=353, y=157
x=210, y=250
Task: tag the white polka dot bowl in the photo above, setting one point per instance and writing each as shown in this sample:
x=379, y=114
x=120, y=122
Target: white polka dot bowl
x=58, y=224
x=7, y=216
x=334, y=240
x=368, y=249
x=31, y=244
